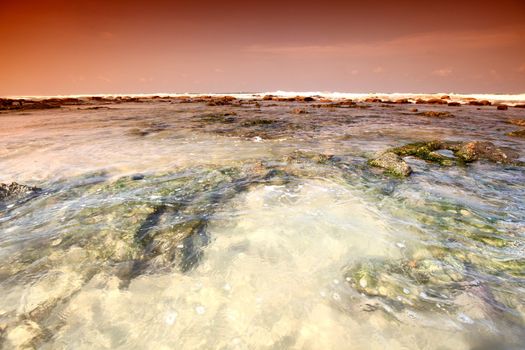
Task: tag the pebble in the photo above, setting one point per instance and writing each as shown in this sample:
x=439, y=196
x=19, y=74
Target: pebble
x=56, y=242
x=257, y=139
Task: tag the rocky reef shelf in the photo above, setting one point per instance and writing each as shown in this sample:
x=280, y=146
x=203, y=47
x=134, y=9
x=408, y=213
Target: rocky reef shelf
x=262, y=221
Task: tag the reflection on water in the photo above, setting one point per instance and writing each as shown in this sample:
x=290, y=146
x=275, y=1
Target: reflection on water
x=189, y=226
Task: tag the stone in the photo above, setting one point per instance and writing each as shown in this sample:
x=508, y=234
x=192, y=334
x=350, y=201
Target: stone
x=392, y=163
x=480, y=103
x=434, y=114
x=475, y=150
x=517, y=133
x=15, y=191
x=519, y=122
x=299, y=111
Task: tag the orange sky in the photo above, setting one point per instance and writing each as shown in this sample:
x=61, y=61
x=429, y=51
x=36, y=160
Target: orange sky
x=84, y=47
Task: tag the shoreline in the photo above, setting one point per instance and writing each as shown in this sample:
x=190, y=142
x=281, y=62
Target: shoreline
x=501, y=102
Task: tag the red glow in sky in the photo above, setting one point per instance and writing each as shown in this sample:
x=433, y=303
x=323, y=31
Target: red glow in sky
x=53, y=47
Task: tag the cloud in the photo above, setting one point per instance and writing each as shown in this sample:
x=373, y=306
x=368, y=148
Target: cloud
x=443, y=72
x=421, y=43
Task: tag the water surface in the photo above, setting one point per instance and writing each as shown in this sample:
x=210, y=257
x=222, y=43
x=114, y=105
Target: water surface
x=182, y=225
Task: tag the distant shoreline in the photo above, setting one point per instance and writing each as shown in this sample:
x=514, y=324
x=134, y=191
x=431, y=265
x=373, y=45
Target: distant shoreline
x=450, y=99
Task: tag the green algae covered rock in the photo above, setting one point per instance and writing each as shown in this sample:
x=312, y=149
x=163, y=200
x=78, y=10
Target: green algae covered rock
x=392, y=163
x=462, y=153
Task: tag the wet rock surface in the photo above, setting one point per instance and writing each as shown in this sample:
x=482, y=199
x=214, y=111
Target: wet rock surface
x=392, y=163
x=16, y=191
x=462, y=152
x=434, y=114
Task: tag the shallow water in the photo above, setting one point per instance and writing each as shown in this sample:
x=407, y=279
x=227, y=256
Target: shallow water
x=180, y=225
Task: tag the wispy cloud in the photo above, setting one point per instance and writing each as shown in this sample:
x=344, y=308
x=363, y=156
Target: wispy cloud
x=442, y=72
x=414, y=44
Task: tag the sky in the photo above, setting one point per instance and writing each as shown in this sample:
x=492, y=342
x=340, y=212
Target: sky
x=56, y=47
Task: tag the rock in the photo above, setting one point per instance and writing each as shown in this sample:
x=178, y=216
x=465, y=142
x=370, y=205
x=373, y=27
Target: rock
x=258, y=122
x=21, y=104
x=373, y=100
x=435, y=101
x=480, y=103
x=299, y=111
x=454, y=104
x=517, y=133
x=415, y=110
x=434, y=114
x=403, y=101
x=520, y=122
x=15, y=191
x=475, y=150
x=520, y=106
x=464, y=152
x=502, y=107
x=392, y=163
x=425, y=151
x=304, y=99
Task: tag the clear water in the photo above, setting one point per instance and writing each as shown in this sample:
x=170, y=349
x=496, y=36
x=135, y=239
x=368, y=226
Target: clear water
x=175, y=225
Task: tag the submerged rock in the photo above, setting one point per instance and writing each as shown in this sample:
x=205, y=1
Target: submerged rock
x=476, y=150
x=299, y=111
x=434, y=114
x=16, y=191
x=517, y=133
x=519, y=122
x=426, y=151
x=392, y=163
